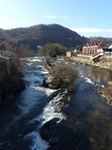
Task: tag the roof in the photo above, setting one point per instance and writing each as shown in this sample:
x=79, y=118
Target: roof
x=110, y=47
x=107, y=49
x=92, y=43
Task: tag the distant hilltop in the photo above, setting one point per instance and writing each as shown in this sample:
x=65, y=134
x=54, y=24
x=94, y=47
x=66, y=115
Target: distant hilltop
x=42, y=34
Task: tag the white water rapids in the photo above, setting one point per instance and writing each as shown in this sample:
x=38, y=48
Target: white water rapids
x=48, y=112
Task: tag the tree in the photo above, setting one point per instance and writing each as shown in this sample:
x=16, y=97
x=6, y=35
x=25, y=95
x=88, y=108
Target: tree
x=7, y=44
x=24, y=51
x=52, y=50
x=64, y=76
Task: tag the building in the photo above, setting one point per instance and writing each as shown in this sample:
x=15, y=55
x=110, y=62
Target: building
x=110, y=47
x=92, y=48
x=69, y=54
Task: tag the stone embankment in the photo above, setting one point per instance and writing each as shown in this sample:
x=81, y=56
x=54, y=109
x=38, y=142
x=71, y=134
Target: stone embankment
x=85, y=59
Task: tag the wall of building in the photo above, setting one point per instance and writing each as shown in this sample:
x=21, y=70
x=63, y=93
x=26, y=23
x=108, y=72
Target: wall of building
x=92, y=48
x=69, y=54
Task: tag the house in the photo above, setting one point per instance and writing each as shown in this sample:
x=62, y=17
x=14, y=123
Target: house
x=69, y=54
x=92, y=48
x=110, y=47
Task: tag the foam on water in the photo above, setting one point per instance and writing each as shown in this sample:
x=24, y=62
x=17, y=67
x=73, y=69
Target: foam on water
x=29, y=64
x=38, y=142
x=88, y=80
x=49, y=112
x=35, y=77
x=34, y=60
x=48, y=91
x=45, y=72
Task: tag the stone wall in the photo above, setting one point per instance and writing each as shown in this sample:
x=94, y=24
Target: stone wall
x=86, y=60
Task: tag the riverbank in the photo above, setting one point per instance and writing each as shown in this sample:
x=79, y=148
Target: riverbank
x=85, y=59
x=13, y=85
x=107, y=94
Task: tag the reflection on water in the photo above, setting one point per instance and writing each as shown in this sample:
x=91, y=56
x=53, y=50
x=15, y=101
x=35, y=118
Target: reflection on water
x=90, y=115
x=98, y=74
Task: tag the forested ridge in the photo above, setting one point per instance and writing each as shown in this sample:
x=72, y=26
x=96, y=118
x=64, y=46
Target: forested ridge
x=43, y=34
x=39, y=35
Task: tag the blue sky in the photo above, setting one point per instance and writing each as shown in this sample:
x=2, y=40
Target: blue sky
x=87, y=18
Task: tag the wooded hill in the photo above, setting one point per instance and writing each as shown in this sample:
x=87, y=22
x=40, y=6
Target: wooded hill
x=42, y=34
x=52, y=33
x=106, y=41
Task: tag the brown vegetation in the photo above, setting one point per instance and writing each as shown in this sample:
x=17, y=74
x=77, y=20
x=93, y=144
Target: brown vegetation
x=63, y=76
x=48, y=60
x=7, y=44
x=24, y=51
x=107, y=93
x=109, y=90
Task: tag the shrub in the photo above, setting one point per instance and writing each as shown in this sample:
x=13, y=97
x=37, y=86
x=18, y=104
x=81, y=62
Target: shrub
x=64, y=76
x=48, y=60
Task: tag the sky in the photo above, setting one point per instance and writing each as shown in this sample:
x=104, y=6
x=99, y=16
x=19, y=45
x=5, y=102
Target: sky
x=87, y=18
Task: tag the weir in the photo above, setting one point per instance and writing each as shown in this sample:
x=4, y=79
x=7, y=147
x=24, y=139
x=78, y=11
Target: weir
x=100, y=54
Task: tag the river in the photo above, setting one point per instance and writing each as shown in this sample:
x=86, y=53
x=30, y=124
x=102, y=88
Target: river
x=84, y=123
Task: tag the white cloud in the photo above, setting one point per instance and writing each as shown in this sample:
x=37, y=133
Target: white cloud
x=86, y=30
x=63, y=17
x=90, y=30
x=110, y=30
x=53, y=17
x=50, y=16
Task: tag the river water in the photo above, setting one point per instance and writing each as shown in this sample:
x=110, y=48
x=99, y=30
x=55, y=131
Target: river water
x=87, y=115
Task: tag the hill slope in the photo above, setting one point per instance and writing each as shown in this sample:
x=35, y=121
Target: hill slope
x=42, y=34
x=106, y=41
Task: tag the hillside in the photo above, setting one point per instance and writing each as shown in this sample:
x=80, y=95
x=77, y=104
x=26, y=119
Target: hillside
x=106, y=41
x=42, y=34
